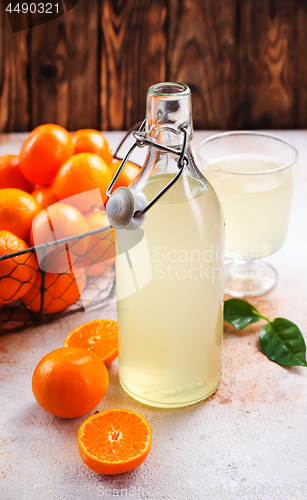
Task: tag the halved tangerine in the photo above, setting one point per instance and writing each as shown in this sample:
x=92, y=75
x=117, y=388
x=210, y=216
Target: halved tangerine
x=99, y=336
x=114, y=441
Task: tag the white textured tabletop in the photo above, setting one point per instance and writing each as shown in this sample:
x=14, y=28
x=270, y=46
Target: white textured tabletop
x=248, y=440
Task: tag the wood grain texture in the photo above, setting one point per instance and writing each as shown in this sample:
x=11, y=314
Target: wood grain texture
x=298, y=63
x=201, y=53
x=271, y=72
x=84, y=72
x=64, y=69
x=245, y=61
x=133, y=57
x=14, y=70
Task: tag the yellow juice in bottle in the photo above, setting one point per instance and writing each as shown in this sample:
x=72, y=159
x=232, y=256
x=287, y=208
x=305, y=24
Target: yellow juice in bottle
x=171, y=327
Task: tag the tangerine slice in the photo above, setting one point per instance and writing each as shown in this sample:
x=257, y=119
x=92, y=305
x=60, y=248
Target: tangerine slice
x=99, y=336
x=114, y=441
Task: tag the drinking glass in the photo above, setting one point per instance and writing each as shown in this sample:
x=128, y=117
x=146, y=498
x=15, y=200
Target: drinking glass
x=253, y=176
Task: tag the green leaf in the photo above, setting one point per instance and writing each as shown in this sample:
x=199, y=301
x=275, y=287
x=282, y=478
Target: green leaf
x=240, y=313
x=282, y=342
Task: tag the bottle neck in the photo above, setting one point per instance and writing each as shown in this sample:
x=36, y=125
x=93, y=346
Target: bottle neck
x=168, y=109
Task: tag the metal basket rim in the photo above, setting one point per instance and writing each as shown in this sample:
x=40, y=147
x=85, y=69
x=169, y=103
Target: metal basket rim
x=43, y=247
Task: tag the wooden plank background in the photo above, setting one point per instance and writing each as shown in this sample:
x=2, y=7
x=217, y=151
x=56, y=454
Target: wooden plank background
x=245, y=61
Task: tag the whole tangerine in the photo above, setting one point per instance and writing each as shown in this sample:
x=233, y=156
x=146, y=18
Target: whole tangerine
x=127, y=175
x=45, y=196
x=61, y=291
x=17, y=274
x=60, y=221
x=11, y=176
x=43, y=152
x=69, y=382
x=83, y=173
x=17, y=211
x=92, y=141
x=101, y=249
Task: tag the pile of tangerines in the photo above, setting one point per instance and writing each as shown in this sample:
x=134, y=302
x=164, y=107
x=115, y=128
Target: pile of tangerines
x=55, y=188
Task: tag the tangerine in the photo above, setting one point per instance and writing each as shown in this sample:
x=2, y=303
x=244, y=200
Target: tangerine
x=69, y=382
x=16, y=273
x=101, y=249
x=83, y=173
x=11, y=176
x=17, y=211
x=92, y=141
x=61, y=291
x=114, y=441
x=99, y=336
x=45, y=196
x=127, y=175
x=57, y=222
x=43, y=152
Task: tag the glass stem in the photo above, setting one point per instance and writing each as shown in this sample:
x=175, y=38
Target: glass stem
x=242, y=269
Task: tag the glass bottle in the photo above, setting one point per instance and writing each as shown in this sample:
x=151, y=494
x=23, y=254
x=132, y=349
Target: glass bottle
x=169, y=272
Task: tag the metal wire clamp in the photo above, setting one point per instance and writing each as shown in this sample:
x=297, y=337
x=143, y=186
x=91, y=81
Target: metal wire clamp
x=142, y=141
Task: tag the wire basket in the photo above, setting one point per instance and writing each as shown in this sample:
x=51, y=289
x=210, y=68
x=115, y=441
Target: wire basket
x=86, y=283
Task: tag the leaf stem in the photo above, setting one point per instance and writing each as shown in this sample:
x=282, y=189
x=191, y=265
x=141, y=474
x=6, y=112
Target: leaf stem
x=257, y=313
